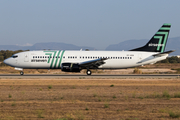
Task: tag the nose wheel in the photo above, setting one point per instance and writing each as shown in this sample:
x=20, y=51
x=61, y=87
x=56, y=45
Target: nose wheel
x=21, y=73
x=88, y=72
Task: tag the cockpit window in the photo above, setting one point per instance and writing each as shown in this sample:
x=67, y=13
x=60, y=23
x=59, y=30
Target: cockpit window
x=15, y=56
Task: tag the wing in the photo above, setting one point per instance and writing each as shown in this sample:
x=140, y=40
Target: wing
x=92, y=64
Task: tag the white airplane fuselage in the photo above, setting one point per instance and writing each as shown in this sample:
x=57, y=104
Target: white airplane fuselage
x=75, y=61
x=54, y=59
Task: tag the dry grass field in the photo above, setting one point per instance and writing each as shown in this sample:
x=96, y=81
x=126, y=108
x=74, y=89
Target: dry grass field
x=91, y=99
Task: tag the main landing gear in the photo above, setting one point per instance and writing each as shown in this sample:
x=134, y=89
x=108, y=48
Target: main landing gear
x=21, y=73
x=88, y=72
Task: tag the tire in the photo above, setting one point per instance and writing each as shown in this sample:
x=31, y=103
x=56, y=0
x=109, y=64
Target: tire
x=88, y=72
x=21, y=73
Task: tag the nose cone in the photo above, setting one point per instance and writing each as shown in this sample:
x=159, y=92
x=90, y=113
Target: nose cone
x=7, y=62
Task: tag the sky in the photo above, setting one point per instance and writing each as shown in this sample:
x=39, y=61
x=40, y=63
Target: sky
x=93, y=23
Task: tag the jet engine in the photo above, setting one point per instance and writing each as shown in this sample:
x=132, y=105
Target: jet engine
x=70, y=67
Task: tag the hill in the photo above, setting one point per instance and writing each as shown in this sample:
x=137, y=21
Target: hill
x=172, y=44
x=47, y=46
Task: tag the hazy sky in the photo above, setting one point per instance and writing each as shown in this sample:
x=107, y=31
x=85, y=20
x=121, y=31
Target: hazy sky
x=94, y=23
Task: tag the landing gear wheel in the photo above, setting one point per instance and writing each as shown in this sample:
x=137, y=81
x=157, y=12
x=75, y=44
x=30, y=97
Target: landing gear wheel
x=88, y=72
x=21, y=73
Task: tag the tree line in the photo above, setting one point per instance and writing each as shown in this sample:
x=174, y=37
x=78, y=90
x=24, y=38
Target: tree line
x=4, y=54
x=173, y=59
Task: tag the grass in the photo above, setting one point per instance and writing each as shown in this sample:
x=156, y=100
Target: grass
x=134, y=95
x=126, y=97
x=166, y=94
x=177, y=95
x=74, y=87
x=106, y=105
x=13, y=104
x=173, y=114
x=39, y=113
x=10, y=96
x=114, y=96
x=94, y=95
x=137, y=71
x=62, y=119
x=61, y=97
x=87, y=108
x=50, y=87
x=99, y=99
x=91, y=107
x=112, y=85
x=140, y=97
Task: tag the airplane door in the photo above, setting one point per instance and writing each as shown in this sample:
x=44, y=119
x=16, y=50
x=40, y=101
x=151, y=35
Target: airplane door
x=26, y=57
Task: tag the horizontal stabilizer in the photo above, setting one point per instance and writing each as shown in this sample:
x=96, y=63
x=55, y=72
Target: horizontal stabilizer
x=164, y=53
x=156, y=55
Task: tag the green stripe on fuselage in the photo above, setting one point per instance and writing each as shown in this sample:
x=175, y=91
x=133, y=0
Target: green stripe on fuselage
x=57, y=59
x=53, y=59
x=49, y=56
x=61, y=58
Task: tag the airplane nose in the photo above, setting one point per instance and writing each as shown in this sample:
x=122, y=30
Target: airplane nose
x=6, y=61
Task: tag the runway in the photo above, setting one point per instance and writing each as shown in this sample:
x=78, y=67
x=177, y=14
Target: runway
x=84, y=76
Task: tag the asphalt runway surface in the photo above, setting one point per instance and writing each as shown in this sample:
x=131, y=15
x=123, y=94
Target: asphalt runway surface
x=84, y=76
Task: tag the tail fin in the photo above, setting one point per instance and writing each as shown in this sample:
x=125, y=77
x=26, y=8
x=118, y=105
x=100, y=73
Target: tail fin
x=158, y=41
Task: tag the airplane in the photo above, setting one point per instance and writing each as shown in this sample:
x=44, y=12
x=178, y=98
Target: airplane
x=75, y=61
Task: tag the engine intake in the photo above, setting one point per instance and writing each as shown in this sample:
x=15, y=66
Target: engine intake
x=70, y=67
